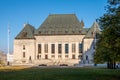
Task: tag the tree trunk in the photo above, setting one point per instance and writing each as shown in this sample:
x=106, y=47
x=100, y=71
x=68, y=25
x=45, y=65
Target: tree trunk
x=108, y=65
x=111, y=65
x=114, y=65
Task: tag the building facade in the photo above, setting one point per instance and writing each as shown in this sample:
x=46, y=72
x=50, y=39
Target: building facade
x=3, y=58
x=60, y=39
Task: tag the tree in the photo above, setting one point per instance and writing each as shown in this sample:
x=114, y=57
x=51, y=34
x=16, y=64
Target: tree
x=108, y=46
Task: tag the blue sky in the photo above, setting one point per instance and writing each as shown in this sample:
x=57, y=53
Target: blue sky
x=15, y=13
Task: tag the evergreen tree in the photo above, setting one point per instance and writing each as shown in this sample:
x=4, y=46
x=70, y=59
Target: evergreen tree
x=108, y=46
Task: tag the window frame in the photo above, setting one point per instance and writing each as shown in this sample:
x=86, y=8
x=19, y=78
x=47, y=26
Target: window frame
x=66, y=48
x=39, y=48
x=59, y=48
x=52, y=48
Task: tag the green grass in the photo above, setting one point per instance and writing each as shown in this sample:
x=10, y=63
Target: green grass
x=60, y=74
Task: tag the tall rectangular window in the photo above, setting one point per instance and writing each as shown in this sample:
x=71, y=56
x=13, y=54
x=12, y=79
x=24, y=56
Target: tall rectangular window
x=73, y=48
x=52, y=48
x=39, y=48
x=80, y=48
x=23, y=47
x=66, y=48
x=59, y=48
x=23, y=54
x=46, y=48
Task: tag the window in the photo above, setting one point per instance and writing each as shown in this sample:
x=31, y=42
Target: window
x=23, y=47
x=59, y=48
x=80, y=48
x=39, y=32
x=46, y=48
x=73, y=48
x=23, y=61
x=80, y=32
x=24, y=34
x=66, y=31
x=66, y=56
x=73, y=31
x=46, y=56
x=23, y=54
x=30, y=58
x=86, y=57
x=80, y=57
x=53, y=32
x=59, y=32
x=52, y=48
x=38, y=56
x=66, y=48
x=59, y=56
x=53, y=56
x=92, y=33
x=39, y=48
x=73, y=56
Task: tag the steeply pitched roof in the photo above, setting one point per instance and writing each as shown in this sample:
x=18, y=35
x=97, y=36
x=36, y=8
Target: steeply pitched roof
x=26, y=33
x=60, y=24
x=93, y=30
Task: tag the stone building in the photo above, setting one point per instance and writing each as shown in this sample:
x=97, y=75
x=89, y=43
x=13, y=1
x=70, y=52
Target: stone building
x=3, y=58
x=60, y=39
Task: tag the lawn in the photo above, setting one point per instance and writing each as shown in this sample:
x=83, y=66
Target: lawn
x=47, y=73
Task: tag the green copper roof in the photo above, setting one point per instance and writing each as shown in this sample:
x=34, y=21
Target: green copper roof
x=60, y=24
x=93, y=30
x=26, y=33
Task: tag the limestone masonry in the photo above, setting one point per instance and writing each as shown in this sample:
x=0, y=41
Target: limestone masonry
x=60, y=39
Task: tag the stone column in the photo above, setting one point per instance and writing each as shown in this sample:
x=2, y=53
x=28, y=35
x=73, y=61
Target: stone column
x=77, y=50
x=56, y=50
x=70, y=50
x=42, y=51
x=63, y=50
x=49, y=50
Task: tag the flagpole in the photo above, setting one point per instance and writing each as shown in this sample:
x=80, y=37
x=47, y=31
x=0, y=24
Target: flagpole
x=8, y=33
x=8, y=39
